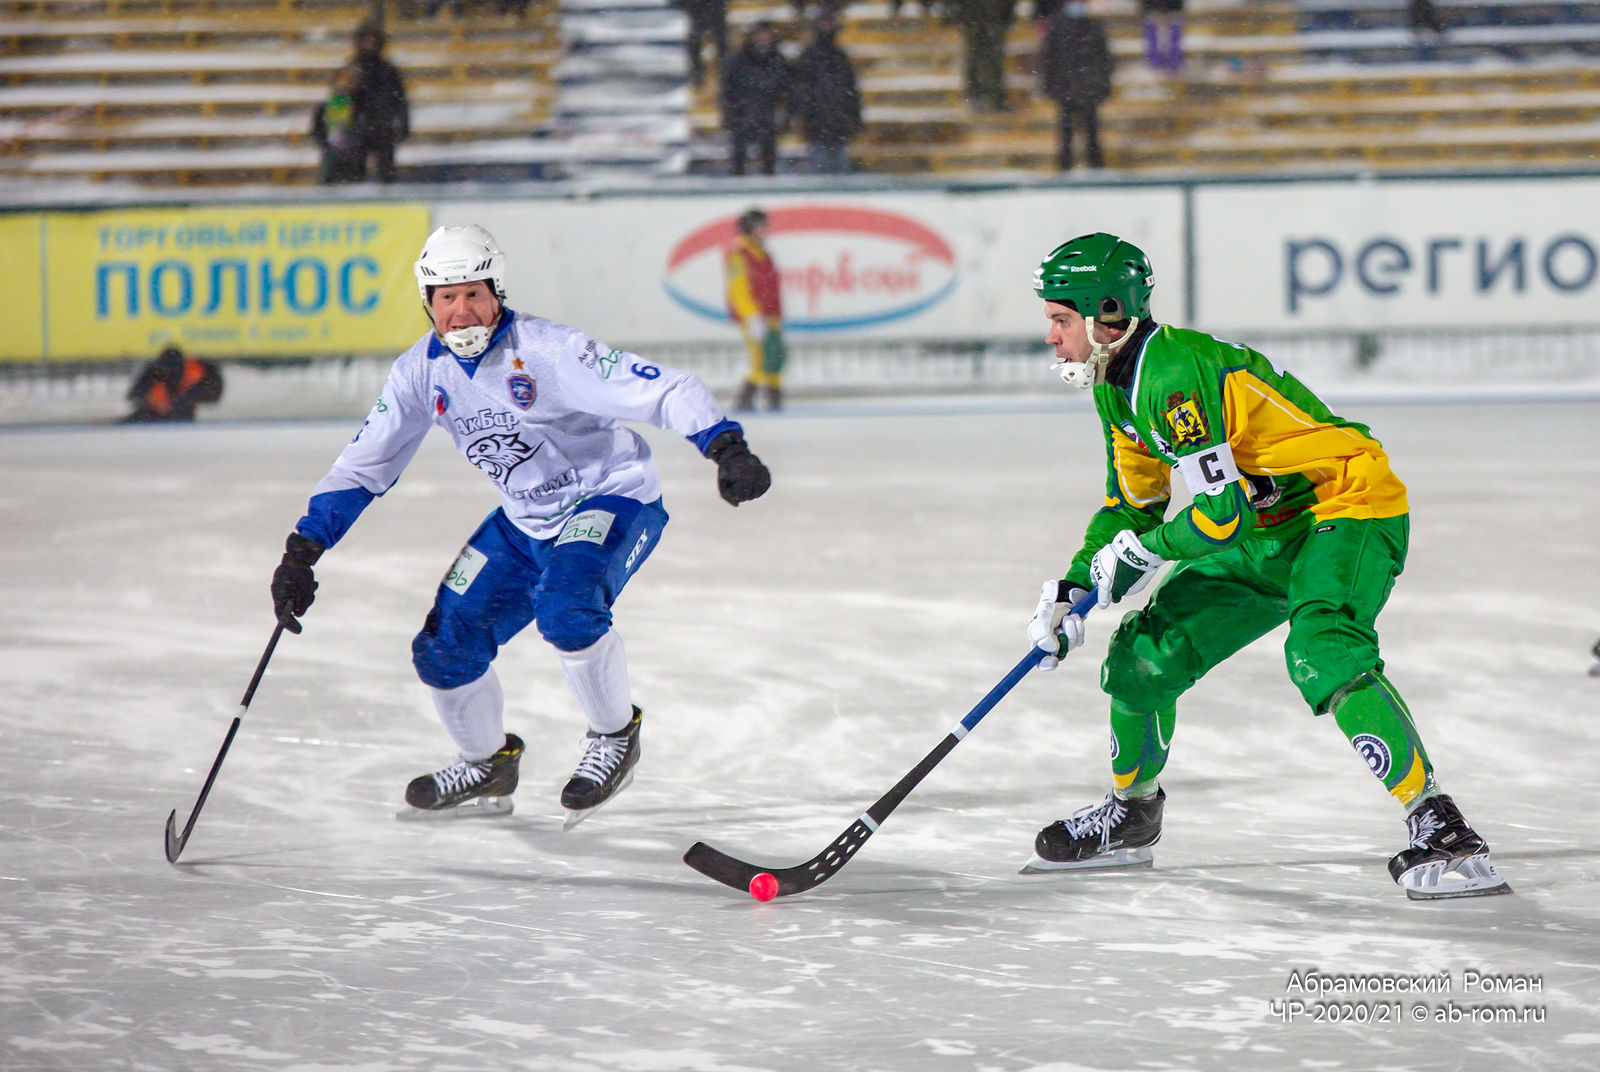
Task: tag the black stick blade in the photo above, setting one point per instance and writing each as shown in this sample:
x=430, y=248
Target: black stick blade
x=718, y=865
x=174, y=842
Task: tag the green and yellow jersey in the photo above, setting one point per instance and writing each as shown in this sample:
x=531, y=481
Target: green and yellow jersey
x=1262, y=455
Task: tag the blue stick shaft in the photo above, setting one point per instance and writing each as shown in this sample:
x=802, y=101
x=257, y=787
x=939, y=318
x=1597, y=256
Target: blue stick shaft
x=1020, y=671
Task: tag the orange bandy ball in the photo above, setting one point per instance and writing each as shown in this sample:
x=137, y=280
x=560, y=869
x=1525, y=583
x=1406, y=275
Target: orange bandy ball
x=763, y=887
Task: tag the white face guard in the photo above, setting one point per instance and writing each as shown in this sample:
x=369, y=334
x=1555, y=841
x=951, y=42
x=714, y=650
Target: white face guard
x=467, y=342
x=1085, y=374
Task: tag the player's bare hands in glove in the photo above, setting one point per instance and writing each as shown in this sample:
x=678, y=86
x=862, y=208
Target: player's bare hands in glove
x=740, y=474
x=294, y=586
x=1122, y=567
x=1054, y=627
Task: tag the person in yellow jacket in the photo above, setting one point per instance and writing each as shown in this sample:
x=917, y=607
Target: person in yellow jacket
x=755, y=303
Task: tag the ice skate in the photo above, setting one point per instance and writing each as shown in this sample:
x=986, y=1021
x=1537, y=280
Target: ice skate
x=1447, y=858
x=467, y=788
x=605, y=770
x=1594, y=667
x=1113, y=833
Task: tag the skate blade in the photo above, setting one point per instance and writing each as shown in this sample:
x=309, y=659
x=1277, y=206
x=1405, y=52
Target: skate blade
x=573, y=818
x=1121, y=858
x=476, y=808
x=1439, y=880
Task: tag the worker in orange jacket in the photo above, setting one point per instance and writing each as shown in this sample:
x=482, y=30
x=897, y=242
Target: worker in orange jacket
x=755, y=303
x=169, y=388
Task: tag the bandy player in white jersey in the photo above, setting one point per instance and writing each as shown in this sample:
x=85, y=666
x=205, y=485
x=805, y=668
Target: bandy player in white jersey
x=537, y=407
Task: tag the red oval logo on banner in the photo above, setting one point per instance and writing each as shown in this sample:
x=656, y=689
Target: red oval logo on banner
x=842, y=267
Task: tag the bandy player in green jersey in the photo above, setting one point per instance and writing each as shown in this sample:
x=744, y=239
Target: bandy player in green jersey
x=1296, y=517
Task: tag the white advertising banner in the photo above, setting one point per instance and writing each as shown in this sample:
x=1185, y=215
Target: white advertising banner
x=635, y=271
x=1361, y=255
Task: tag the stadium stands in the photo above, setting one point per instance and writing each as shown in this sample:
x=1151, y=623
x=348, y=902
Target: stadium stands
x=1270, y=85
x=210, y=92
x=206, y=92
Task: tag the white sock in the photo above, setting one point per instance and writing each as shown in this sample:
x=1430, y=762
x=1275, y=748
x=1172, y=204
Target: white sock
x=598, y=675
x=472, y=715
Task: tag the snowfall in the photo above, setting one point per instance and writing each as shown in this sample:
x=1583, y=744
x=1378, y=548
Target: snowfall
x=794, y=658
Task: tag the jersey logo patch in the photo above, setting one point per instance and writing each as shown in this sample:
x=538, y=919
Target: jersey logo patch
x=523, y=390
x=441, y=401
x=591, y=526
x=1188, y=423
x=464, y=570
x=602, y=363
x=499, y=453
x=1374, y=751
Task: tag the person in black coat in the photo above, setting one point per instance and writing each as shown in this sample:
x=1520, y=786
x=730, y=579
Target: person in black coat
x=755, y=90
x=827, y=101
x=1075, y=72
x=708, y=21
x=383, y=118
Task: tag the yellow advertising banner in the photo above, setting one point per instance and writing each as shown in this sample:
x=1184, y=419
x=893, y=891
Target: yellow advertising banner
x=22, y=283
x=232, y=281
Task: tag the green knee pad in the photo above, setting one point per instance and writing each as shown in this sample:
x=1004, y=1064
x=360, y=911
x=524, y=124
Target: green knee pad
x=1140, y=742
x=1151, y=661
x=1375, y=719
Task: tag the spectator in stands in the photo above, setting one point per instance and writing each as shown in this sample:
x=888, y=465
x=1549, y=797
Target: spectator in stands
x=1075, y=72
x=333, y=128
x=755, y=303
x=827, y=101
x=894, y=8
x=984, y=24
x=708, y=20
x=1163, y=34
x=755, y=92
x=170, y=387
x=1423, y=16
x=383, y=119
x=1426, y=24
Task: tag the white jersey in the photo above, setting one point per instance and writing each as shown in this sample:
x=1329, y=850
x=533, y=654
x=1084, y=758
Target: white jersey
x=539, y=413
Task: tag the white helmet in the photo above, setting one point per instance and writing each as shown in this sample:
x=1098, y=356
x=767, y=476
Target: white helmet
x=460, y=255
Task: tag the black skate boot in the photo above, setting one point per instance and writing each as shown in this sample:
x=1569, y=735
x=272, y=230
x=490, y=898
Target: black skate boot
x=1594, y=670
x=1447, y=858
x=605, y=770
x=480, y=787
x=1113, y=833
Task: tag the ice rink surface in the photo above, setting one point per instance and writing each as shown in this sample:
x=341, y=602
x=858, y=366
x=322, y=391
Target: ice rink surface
x=794, y=658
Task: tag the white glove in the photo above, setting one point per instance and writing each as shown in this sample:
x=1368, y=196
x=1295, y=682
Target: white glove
x=1122, y=567
x=754, y=328
x=1054, y=628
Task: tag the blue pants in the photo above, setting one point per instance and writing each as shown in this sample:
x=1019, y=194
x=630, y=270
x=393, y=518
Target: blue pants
x=505, y=579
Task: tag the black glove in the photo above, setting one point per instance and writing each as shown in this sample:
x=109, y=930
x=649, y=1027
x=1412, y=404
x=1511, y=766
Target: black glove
x=294, y=586
x=740, y=474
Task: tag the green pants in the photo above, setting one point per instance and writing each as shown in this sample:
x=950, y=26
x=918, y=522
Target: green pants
x=1329, y=583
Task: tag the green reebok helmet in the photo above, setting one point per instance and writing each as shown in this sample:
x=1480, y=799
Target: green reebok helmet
x=1099, y=275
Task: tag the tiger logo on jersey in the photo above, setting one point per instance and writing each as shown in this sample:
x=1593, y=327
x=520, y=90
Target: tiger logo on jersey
x=499, y=453
x=1187, y=421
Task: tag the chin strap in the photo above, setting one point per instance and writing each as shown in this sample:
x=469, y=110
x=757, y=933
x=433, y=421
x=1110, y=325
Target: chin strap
x=1085, y=374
